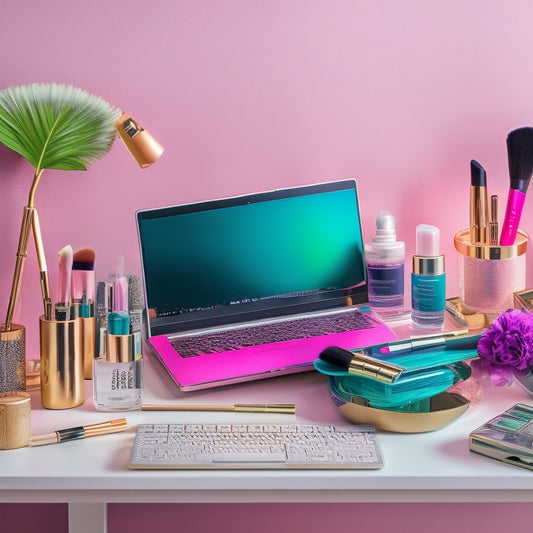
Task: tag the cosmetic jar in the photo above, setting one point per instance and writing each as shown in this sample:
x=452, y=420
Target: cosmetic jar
x=15, y=420
x=490, y=275
x=13, y=359
x=118, y=376
x=404, y=394
x=62, y=384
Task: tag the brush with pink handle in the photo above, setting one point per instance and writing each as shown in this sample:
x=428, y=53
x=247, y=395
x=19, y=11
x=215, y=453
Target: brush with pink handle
x=520, y=156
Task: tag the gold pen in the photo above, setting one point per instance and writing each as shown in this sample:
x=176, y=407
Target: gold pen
x=80, y=432
x=287, y=408
x=493, y=222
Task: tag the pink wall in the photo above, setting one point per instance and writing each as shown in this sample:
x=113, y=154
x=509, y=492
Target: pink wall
x=249, y=95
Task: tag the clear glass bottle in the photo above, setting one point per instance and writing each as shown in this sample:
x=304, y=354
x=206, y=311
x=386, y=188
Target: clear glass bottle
x=118, y=377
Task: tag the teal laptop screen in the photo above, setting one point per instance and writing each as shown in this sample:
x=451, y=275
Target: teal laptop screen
x=257, y=252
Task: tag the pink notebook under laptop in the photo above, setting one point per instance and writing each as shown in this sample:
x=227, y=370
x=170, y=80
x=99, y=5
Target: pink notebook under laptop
x=255, y=286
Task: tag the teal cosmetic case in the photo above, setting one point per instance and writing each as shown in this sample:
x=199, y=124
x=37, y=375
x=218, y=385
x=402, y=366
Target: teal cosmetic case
x=425, y=375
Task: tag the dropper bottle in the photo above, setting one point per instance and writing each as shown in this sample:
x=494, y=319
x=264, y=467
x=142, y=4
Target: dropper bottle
x=385, y=260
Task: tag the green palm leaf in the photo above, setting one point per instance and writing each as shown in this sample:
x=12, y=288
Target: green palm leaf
x=56, y=126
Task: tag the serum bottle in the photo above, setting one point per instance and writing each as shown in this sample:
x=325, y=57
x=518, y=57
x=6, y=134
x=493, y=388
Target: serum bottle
x=118, y=377
x=428, y=280
x=385, y=260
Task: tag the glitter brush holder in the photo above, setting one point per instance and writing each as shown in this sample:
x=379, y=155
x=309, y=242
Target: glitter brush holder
x=12, y=359
x=489, y=275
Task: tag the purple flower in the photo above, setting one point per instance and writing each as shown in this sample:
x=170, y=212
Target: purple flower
x=507, y=346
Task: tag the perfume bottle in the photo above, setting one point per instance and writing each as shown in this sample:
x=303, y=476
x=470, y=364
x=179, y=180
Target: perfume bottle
x=385, y=259
x=118, y=377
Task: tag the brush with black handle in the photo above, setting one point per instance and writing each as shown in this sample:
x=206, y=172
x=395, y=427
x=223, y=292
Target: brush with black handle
x=361, y=364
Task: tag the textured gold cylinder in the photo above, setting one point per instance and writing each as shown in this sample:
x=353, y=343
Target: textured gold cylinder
x=13, y=359
x=88, y=341
x=62, y=385
x=15, y=420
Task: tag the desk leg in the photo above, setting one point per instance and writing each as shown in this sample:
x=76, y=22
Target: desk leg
x=87, y=518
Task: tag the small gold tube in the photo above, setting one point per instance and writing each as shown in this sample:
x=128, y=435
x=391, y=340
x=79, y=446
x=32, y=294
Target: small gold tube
x=62, y=385
x=119, y=348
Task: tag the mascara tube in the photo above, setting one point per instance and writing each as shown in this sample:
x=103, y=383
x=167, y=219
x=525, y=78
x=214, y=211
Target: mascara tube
x=428, y=280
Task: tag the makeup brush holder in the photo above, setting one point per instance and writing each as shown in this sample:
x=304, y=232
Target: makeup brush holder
x=489, y=275
x=62, y=384
x=12, y=359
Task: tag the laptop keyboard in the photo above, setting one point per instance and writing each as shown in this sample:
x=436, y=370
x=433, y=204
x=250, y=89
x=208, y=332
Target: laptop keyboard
x=268, y=333
x=287, y=445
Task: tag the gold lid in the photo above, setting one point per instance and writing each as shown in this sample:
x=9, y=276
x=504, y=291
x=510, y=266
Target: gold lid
x=16, y=332
x=485, y=251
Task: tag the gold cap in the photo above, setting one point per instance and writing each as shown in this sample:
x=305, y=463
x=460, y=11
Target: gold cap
x=485, y=251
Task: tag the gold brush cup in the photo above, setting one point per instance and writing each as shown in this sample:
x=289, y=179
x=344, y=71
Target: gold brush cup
x=62, y=384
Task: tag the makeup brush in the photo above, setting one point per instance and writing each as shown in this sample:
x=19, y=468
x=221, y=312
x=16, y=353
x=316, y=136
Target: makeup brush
x=83, y=274
x=64, y=257
x=520, y=158
x=361, y=364
x=64, y=280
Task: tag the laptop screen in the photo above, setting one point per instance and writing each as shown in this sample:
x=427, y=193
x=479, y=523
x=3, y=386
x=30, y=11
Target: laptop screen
x=267, y=254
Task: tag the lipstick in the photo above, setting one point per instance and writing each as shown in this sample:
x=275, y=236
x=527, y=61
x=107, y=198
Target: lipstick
x=478, y=204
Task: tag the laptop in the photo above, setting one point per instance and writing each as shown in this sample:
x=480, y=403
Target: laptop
x=233, y=270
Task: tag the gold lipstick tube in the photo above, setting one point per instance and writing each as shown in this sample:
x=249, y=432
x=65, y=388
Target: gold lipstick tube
x=62, y=385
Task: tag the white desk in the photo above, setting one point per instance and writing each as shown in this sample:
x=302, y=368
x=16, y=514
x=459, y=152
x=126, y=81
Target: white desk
x=88, y=474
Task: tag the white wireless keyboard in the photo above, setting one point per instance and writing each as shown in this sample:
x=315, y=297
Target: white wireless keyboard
x=223, y=446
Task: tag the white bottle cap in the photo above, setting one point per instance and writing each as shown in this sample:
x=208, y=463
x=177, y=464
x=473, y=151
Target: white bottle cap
x=427, y=240
x=385, y=228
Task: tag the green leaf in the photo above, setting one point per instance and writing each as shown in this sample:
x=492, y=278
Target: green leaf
x=56, y=126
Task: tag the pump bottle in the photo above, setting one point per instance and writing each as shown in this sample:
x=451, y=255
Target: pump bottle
x=385, y=260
